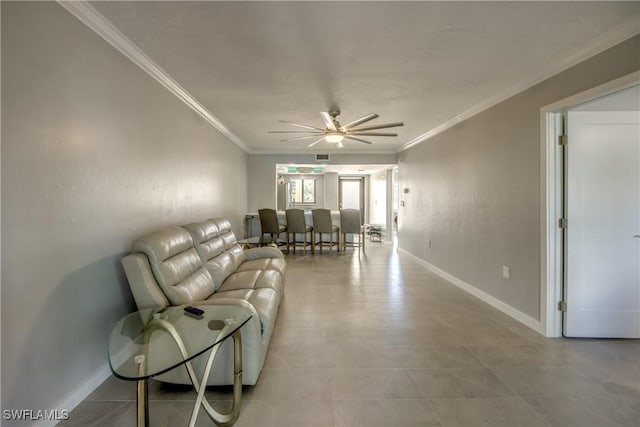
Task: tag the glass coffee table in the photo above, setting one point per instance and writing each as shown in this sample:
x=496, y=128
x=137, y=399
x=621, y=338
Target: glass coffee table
x=258, y=241
x=154, y=341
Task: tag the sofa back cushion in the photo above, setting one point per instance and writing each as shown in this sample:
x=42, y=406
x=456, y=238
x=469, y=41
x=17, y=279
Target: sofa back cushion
x=176, y=265
x=217, y=246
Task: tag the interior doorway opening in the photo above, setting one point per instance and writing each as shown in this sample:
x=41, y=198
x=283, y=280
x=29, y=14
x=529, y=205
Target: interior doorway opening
x=367, y=187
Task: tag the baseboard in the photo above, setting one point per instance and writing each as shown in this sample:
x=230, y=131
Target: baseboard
x=73, y=399
x=516, y=314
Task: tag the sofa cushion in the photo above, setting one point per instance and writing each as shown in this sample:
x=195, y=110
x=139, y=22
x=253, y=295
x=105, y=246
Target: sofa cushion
x=176, y=265
x=216, y=248
x=276, y=264
x=253, y=279
x=231, y=245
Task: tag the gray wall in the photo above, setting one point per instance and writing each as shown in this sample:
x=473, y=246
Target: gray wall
x=262, y=172
x=331, y=191
x=474, y=189
x=94, y=153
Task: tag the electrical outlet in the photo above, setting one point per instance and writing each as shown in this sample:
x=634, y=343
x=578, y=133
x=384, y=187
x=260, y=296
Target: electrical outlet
x=505, y=272
x=429, y=244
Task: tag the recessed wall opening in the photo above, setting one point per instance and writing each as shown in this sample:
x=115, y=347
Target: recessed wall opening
x=311, y=186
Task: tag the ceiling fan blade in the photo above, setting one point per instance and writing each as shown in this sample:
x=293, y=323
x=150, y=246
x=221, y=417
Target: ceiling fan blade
x=301, y=125
x=295, y=131
x=299, y=138
x=316, y=141
x=358, y=139
x=360, y=121
x=387, y=125
x=328, y=121
x=372, y=133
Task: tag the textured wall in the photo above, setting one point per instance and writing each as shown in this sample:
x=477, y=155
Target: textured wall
x=94, y=153
x=474, y=189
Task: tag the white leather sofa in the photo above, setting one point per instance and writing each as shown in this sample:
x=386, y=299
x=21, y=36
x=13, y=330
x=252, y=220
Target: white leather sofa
x=202, y=263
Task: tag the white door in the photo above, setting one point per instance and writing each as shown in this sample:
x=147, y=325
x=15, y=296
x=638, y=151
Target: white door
x=602, y=247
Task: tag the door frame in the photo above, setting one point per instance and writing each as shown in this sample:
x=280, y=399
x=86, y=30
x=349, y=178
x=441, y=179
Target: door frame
x=551, y=198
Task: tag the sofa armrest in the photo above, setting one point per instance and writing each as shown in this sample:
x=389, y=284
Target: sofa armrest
x=263, y=252
x=146, y=291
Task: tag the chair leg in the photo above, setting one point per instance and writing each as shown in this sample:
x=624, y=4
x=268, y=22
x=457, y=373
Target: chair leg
x=313, y=242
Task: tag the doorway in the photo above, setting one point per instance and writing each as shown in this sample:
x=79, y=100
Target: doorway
x=591, y=198
x=351, y=194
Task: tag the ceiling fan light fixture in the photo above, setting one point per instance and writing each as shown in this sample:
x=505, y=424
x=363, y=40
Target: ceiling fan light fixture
x=333, y=137
x=339, y=144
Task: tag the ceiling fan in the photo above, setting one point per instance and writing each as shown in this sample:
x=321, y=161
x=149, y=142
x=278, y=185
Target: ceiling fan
x=335, y=132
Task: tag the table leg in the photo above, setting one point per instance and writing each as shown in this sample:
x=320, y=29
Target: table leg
x=142, y=403
x=220, y=419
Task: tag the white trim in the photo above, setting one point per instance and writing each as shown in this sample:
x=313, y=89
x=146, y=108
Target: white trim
x=551, y=202
x=101, y=26
x=494, y=302
x=609, y=39
x=551, y=235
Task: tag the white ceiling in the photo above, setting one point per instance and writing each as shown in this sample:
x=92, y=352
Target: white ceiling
x=251, y=64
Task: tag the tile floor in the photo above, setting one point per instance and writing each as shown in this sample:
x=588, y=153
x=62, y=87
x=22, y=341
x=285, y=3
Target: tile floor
x=377, y=340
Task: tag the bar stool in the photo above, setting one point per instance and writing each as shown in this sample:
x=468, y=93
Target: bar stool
x=269, y=225
x=297, y=224
x=322, y=225
x=350, y=224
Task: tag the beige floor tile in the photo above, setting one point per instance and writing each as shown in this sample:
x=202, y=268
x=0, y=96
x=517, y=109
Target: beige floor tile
x=497, y=412
x=359, y=384
x=298, y=356
x=282, y=413
x=384, y=413
x=459, y=383
x=596, y=410
x=430, y=357
x=533, y=381
x=291, y=385
x=507, y=355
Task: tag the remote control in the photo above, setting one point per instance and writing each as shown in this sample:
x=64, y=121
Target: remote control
x=194, y=312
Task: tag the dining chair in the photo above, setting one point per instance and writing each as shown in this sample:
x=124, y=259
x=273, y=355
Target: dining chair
x=350, y=224
x=322, y=225
x=297, y=224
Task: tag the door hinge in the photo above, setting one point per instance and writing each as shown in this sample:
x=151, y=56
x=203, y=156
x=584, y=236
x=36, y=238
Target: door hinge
x=563, y=223
x=563, y=140
x=562, y=306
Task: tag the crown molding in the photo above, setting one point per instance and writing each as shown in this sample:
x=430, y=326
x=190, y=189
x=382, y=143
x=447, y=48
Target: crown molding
x=332, y=152
x=618, y=34
x=101, y=26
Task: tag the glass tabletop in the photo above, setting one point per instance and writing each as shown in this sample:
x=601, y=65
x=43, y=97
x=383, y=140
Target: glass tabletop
x=259, y=241
x=149, y=336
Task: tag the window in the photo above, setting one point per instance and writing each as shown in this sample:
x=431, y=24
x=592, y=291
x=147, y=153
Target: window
x=303, y=191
